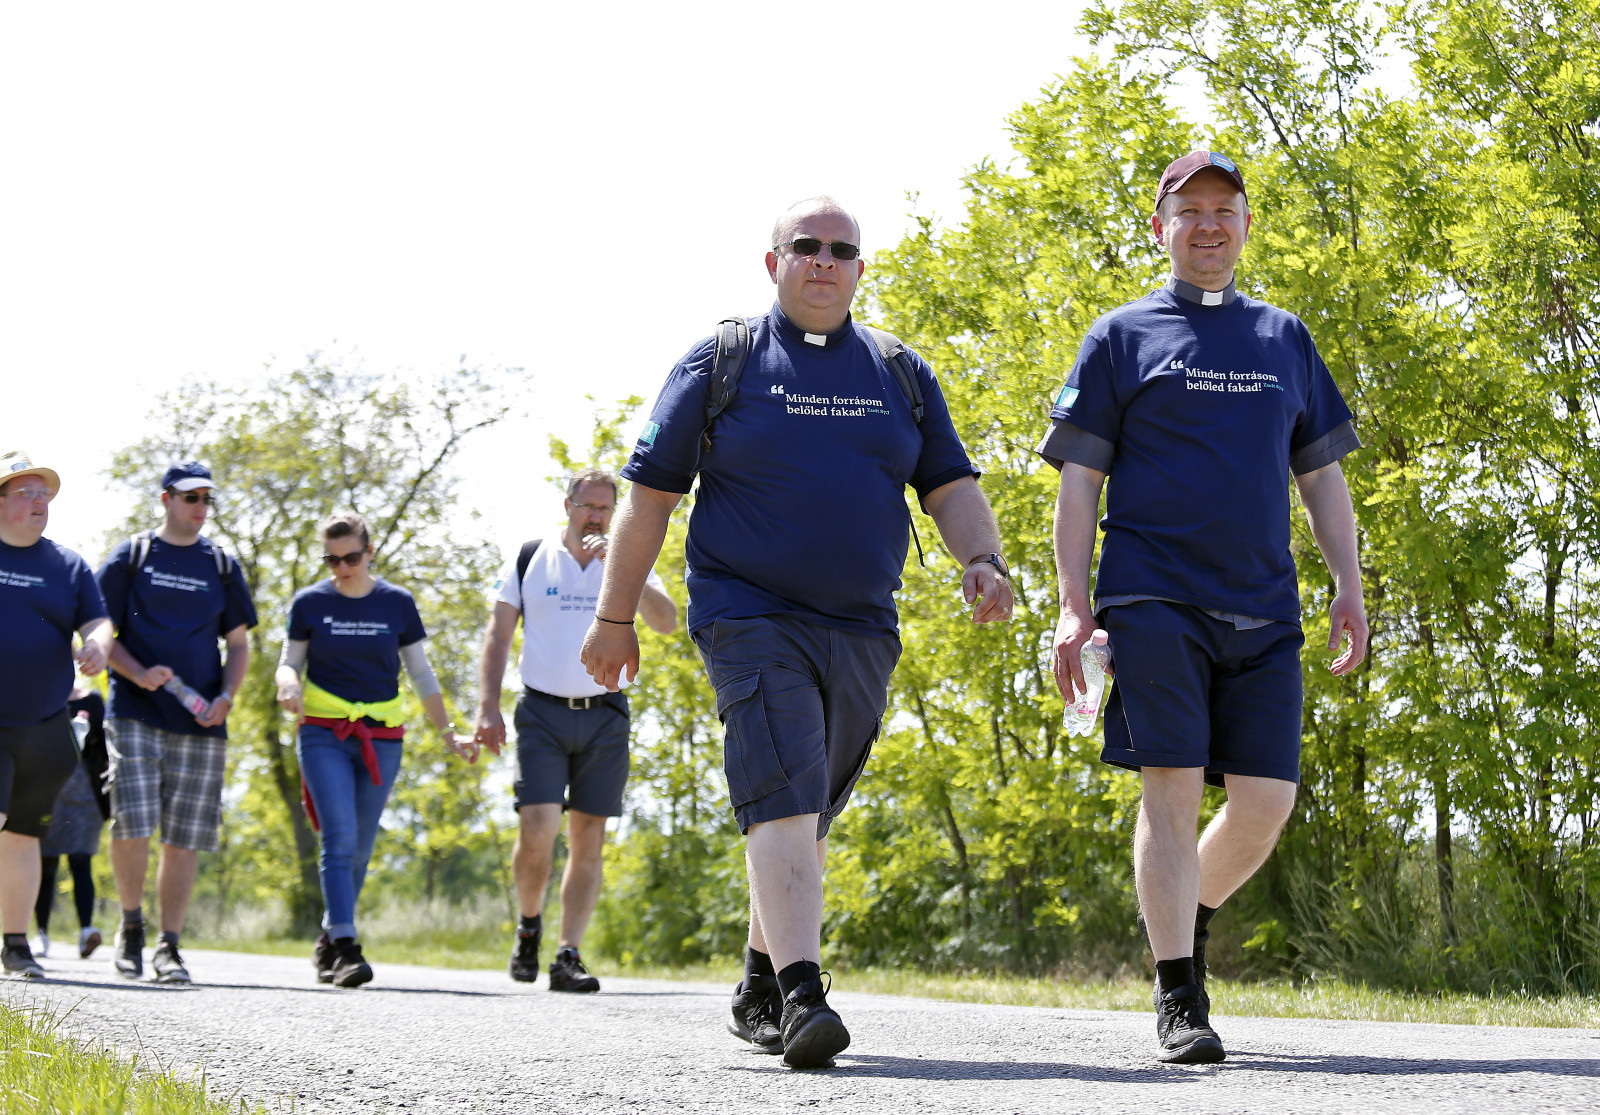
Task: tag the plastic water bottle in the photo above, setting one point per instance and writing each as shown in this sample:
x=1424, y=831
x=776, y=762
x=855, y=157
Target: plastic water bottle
x=80, y=729
x=188, y=698
x=1085, y=710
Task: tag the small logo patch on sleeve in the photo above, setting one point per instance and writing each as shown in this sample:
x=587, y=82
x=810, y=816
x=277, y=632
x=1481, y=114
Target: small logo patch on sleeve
x=1068, y=396
x=647, y=436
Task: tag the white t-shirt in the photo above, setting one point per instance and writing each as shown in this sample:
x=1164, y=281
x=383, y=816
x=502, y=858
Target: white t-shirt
x=561, y=597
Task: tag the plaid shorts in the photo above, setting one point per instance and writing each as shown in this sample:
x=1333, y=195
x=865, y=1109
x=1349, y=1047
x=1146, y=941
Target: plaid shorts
x=165, y=777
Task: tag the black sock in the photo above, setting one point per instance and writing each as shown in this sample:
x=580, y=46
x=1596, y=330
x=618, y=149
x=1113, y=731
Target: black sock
x=801, y=971
x=757, y=965
x=16, y=940
x=169, y=938
x=134, y=918
x=1202, y=920
x=534, y=925
x=1174, y=973
x=567, y=952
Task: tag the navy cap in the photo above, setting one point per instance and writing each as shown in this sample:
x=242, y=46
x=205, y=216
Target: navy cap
x=185, y=476
x=1181, y=170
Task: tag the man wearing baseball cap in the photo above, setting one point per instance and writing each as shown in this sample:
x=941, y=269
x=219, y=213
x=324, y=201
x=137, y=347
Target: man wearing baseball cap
x=46, y=594
x=1199, y=402
x=172, y=593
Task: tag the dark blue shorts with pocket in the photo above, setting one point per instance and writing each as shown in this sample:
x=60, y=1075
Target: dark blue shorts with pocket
x=1193, y=691
x=801, y=706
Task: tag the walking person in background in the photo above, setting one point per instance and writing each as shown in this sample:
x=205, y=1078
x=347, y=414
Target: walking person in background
x=81, y=810
x=795, y=548
x=572, y=735
x=350, y=634
x=172, y=593
x=1199, y=403
x=47, y=593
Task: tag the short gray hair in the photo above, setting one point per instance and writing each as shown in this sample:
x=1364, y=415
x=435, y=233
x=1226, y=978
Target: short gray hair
x=591, y=476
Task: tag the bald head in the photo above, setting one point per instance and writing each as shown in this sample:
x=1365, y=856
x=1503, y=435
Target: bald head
x=783, y=229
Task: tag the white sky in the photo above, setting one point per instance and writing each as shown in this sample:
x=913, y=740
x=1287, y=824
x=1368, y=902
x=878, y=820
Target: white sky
x=208, y=190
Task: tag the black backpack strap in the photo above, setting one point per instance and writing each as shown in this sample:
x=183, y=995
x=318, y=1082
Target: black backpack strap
x=225, y=562
x=732, y=350
x=139, y=549
x=897, y=356
x=525, y=559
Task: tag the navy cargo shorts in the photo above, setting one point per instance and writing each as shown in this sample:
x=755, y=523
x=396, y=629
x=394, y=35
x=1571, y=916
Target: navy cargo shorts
x=1193, y=691
x=801, y=706
x=575, y=757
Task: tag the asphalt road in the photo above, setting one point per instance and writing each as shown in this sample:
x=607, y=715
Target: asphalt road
x=424, y=1039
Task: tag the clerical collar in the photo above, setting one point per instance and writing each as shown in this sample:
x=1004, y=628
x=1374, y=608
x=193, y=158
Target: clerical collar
x=1191, y=293
x=811, y=340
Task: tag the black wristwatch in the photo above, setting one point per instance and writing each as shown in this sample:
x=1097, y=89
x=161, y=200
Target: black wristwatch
x=993, y=559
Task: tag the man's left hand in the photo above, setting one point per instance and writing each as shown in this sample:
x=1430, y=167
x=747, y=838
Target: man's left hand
x=216, y=712
x=1348, y=616
x=91, y=659
x=984, y=584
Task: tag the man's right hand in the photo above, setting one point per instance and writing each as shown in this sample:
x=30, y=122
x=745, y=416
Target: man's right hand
x=608, y=649
x=155, y=677
x=1073, y=629
x=491, y=729
x=292, y=700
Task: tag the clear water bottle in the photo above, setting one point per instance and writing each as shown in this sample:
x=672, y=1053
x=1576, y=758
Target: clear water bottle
x=80, y=729
x=1085, y=709
x=188, y=698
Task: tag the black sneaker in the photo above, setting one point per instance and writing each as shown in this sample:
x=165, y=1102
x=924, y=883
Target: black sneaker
x=350, y=968
x=757, y=1009
x=129, y=949
x=168, y=965
x=18, y=962
x=812, y=1030
x=1183, y=1028
x=324, y=956
x=567, y=973
x=524, y=965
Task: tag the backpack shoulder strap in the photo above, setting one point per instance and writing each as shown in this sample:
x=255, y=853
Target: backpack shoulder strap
x=225, y=562
x=525, y=559
x=733, y=349
x=897, y=356
x=139, y=549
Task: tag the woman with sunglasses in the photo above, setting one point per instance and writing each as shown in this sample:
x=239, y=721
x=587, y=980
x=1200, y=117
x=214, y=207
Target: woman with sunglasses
x=351, y=634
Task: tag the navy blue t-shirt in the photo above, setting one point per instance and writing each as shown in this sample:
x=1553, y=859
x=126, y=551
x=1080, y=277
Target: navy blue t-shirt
x=170, y=612
x=355, y=641
x=1199, y=414
x=47, y=592
x=801, y=509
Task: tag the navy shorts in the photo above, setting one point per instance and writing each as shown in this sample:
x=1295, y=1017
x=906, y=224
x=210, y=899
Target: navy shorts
x=35, y=762
x=1193, y=691
x=801, y=706
x=572, y=757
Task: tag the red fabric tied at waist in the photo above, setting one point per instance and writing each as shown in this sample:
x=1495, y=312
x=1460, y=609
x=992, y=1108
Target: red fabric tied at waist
x=342, y=730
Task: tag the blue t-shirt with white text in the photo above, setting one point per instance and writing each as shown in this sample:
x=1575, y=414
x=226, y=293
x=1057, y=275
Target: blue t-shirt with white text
x=801, y=506
x=47, y=593
x=1199, y=414
x=172, y=611
x=355, y=641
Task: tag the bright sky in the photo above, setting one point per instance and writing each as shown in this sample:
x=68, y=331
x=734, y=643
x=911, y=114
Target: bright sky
x=206, y=191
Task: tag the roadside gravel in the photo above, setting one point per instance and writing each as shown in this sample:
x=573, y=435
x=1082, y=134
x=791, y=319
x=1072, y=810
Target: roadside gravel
x=435, y=1040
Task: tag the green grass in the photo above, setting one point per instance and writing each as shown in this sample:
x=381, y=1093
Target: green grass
x=43, y=1070
x=479, y=937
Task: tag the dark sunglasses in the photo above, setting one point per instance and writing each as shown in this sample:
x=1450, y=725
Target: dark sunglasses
x=810, y=246
x=196, y=497
x=351, y=559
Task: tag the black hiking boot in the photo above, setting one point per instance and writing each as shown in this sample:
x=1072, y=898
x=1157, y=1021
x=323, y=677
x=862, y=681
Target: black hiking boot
x=524, y=965
x=567, y=973
x=812, y=1030
x=350, y=968
x=17, y=960
x=1183, y=1028
x=324, y=956
x=757, y=1010
x=128, y=961
x=168, y=965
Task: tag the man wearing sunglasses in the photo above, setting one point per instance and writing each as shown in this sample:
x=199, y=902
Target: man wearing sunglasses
x=795, y=548
x=172, y=595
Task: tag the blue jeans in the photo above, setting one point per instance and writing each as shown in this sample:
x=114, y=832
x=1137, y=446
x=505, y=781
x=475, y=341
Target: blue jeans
x=348, y=807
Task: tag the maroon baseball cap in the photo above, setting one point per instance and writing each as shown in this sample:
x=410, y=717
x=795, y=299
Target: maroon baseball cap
x=1181, y=170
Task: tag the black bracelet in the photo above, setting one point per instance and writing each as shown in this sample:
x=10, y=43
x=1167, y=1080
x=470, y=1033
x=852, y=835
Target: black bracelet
x=618, y=622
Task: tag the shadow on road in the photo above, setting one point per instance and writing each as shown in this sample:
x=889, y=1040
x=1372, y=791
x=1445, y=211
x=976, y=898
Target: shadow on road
x=938, y=1068
x=1407, y=1066
x=190, y=988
